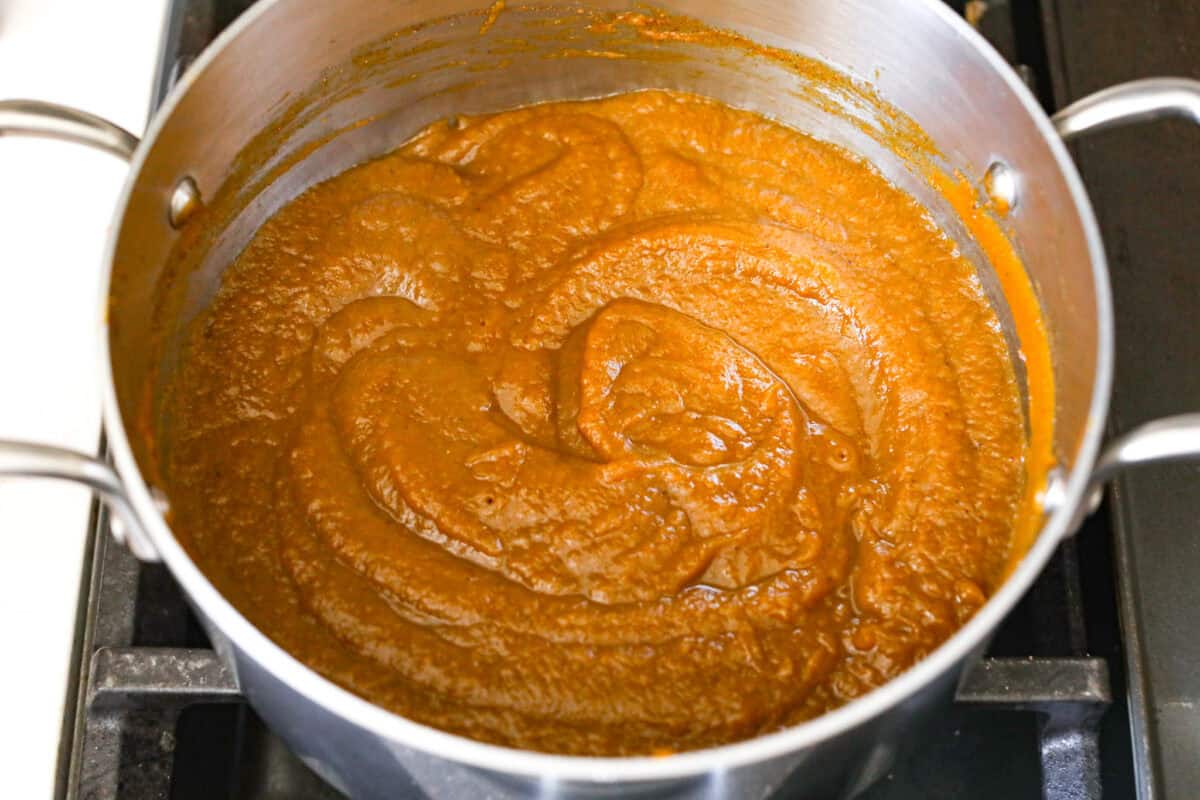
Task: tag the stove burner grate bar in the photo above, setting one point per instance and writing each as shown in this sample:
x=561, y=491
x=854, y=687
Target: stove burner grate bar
x=129, y=684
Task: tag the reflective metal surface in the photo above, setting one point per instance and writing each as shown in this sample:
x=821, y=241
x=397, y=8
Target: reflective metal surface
x=185, y=202
x=1173, y=438
x=28, y=460
x=1136, y=101
x=36, y=118
x=414, y=79
x=1144, y=180
x=23, y=459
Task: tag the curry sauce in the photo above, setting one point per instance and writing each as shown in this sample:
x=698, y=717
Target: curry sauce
x=603, y=427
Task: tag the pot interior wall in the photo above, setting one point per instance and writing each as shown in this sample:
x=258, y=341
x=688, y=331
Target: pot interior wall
x=308, y=89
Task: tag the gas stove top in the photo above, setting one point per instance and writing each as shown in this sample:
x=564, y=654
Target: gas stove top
x=1064, y=704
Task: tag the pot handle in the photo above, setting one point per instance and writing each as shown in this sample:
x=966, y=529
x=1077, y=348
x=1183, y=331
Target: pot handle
x=52, y=121
x=28, y=460
x=23, y=459
x=1171, y=438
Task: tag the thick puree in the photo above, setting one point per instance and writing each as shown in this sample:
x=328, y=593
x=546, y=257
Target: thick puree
x=608, y=427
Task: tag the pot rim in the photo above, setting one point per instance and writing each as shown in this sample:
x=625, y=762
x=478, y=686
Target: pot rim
x=604, y=769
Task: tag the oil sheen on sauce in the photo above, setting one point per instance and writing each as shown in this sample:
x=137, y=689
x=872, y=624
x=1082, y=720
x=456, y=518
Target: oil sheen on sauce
x=608, y=427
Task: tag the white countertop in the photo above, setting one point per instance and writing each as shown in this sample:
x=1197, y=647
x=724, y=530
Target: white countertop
x=56, y=204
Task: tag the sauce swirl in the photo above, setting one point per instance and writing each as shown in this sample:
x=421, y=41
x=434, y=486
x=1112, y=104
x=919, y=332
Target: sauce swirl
x=602, y=428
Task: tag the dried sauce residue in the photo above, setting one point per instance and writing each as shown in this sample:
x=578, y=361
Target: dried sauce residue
x=493, y=13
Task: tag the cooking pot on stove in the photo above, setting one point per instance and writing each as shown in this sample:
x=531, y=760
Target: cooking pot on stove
x=332, y=93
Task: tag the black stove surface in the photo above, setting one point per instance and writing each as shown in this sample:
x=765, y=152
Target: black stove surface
x=156, y=715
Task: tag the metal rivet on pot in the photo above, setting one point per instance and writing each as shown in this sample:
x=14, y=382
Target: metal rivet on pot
x=1001, y=184
x=161, y=503
x=185, y=201
x=116, y=527
x=1055, y=493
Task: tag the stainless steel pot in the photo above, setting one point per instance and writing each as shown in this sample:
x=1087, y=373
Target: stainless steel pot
x=919, y=56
